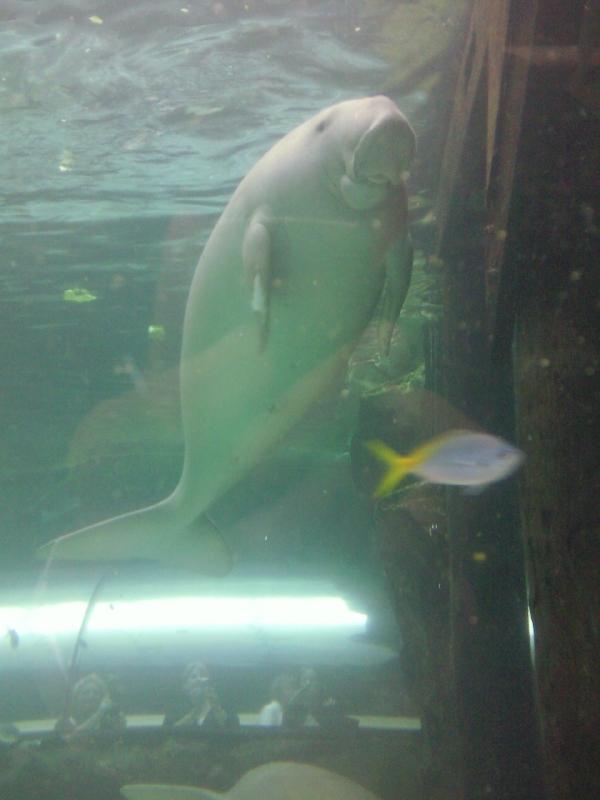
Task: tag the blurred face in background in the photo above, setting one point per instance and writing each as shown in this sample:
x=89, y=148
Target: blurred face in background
x=88, y=693
x=196, y=683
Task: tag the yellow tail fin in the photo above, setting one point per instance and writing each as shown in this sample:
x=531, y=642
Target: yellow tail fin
x=398, y=466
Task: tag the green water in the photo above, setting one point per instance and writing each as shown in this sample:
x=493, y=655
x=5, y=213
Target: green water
x=125, y=129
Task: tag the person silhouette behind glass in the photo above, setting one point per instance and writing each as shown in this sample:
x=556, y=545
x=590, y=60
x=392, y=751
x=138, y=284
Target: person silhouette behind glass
x=283, y=688
x=93, y=709
x=310, y=706
x=200, y=706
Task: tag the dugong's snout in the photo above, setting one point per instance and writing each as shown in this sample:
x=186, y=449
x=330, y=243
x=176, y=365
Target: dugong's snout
x=386, y=144
x=378, y=148
x=384, y=152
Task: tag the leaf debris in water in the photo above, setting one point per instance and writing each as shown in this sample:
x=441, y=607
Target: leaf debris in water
x=78, y=295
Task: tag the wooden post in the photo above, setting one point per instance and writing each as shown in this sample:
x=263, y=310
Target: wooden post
x=557, y=370
x=520, y=234
x=488, y=608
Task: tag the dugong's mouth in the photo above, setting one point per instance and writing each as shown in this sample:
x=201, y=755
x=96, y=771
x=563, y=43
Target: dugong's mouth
x=376, y=164
x=363, y=194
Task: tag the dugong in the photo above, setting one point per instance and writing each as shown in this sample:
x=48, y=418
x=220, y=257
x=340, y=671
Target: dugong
x=287, y=282
x=278, y=780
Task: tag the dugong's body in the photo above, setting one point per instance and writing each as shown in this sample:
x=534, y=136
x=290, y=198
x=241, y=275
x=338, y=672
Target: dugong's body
x=286, y=284
x=278, y=780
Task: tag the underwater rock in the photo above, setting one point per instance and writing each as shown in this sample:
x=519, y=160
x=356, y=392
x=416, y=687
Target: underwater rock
x=146, y=414
x=56, y=774
x=136, y=434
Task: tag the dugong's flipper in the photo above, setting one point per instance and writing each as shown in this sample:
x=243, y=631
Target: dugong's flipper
x=398, y=272
x=256, y=255
x=148, y=791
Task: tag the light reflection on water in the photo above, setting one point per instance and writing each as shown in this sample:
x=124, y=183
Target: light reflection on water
x=154, y=109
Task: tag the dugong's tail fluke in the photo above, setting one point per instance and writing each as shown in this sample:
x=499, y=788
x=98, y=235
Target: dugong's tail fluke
x=147, y=791
x=146, y=535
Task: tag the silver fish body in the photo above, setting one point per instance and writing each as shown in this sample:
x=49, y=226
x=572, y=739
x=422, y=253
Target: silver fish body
x=468, y=458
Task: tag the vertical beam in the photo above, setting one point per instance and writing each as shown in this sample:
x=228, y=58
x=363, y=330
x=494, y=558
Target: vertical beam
x=487, y=587
x=558, y=396
x=500, y=182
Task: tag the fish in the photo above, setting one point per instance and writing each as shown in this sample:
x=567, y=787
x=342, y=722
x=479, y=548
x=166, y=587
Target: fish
x=276, y=780
x=455, y=458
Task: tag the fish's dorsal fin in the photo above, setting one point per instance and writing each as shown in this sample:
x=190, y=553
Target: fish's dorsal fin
x=158, y=791
x=424, y=451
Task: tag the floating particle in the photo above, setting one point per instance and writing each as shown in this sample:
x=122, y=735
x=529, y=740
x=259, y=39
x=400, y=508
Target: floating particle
x=156, y=333
x=200, y=111
x=66, y=162
x=417, y=202
x=77, y=294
